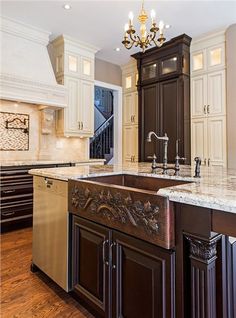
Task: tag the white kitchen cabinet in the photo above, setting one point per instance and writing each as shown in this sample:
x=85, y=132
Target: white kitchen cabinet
x=209, y=140
x=199, y=95
x=208, y=94
x=73, y=63
x=216, y=91
x=217, y=141
x=130, y=141
x=208, y=99
x=77, y=119
x=86, y=109
x=208, y=54
x=130, y=112
x=130, y=108
x=199, y=139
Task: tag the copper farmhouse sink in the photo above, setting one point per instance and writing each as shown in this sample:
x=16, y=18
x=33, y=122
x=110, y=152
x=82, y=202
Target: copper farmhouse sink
x=128, y=203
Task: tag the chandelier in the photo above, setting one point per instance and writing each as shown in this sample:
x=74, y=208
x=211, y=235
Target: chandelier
x=143, y=40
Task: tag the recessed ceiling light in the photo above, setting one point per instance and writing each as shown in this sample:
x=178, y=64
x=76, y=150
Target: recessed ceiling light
x=66, y=6
x=117, y=49
x=167, y=26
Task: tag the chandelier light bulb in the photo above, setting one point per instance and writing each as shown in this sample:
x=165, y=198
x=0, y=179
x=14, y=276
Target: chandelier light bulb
x=161, y=26
x=153, y=15
x=131, y=18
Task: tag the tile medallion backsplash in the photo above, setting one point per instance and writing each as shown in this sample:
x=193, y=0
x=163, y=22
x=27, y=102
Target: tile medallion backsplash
x=14, y=131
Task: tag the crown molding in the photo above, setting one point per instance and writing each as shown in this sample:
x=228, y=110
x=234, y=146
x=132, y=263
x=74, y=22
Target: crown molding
x=72, y=44
x=33, y=92
x=24, y=31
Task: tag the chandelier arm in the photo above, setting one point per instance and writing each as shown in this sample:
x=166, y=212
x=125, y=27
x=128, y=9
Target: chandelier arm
x=131, y=45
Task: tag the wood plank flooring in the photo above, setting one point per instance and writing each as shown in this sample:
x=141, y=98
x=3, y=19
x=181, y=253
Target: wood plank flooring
x=25, y=294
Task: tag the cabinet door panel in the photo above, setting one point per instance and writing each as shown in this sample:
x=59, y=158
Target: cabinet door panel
x=130, y=143
x=89, y=272
x=72, y=111
x=149, y=116
x=217, y=141
x=199, y=139
x=128, y=108
x=216, y=93
x=169, y=108
x=199, y=98
x=143, y=285
x=86, y=107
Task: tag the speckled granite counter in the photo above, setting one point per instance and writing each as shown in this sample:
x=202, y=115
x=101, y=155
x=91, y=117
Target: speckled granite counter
x=215, y=189
x=6, y=163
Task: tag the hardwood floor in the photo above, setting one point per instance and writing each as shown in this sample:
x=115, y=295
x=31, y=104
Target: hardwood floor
x=26, y=294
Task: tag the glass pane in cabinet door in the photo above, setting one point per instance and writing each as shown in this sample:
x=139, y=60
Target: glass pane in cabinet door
x=198, y=62
x=128, y=82
x=86, y=67
x=215, y=56
x=72, y=63
x=169, y=65
x=149, y=71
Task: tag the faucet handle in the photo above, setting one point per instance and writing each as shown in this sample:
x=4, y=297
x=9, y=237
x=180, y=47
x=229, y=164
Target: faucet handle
x=154, y=163
x=154, y=157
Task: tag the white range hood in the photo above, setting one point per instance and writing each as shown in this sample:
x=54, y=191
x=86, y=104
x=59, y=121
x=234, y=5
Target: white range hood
x=26, y=73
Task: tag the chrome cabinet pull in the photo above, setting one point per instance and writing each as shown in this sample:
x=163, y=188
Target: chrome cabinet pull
x=79, y=125
x=103, y=252
x=204, y=109
x=8, y=191
x=209, y=162
x=82, y=124
x=8, y=213
x=205, y=161
x=133, y=118
x=208, y=109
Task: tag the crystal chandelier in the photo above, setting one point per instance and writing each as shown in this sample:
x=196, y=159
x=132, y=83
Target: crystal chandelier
x=143, y=40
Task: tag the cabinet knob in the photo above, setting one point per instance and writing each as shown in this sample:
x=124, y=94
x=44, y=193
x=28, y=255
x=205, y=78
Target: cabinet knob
x=209, y=160
x=133, y=118
x=204, y=109
x=205, y=161
x=82, y=124
x=79, y=125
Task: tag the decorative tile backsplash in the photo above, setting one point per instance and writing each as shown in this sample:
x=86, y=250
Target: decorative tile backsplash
x=14, y=131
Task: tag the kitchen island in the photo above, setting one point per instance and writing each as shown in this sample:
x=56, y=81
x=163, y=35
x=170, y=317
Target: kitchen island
x=117, y=273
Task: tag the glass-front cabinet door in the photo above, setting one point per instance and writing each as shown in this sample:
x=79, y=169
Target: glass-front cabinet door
x=149, y=72
x=169, y=65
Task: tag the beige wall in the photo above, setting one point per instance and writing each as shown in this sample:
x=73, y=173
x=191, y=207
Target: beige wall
x=49, y=147
x=108, y=72
x=231, y=94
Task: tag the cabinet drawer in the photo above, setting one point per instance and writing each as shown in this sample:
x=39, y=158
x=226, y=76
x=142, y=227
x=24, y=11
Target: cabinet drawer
x=10, y=212
x=16, y=190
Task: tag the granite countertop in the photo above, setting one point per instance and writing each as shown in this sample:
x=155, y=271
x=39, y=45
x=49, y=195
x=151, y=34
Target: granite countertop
x=6, y=163
x=215, y=189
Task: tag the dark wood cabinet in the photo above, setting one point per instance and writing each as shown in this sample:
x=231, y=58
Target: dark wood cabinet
x=119, y=276
x=164, y=102
x=90, y=266
x=16, y=188
x=143, y=283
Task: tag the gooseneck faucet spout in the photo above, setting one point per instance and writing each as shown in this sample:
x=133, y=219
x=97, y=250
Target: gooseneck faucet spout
x=165, y=139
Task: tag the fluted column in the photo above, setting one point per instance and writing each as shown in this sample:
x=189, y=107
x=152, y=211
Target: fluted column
x=203, y=254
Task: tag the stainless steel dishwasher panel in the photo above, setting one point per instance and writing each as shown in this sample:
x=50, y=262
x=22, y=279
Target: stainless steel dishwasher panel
x=50, y=229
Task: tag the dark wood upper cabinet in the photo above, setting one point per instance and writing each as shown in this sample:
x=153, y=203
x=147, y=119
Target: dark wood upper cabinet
x=164, y=98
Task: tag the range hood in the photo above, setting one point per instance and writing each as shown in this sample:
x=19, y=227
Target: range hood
x=26, y=73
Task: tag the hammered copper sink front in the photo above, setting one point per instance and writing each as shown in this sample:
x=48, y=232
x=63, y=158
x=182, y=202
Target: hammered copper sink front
x=128, y=203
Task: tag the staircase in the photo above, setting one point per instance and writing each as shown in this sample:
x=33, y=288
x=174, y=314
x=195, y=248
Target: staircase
x=101, y=144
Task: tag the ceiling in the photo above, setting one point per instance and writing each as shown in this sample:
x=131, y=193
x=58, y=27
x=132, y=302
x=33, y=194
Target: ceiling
x=101, y=23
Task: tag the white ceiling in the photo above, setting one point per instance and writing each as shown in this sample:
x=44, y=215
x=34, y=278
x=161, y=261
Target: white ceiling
x=101, y=23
